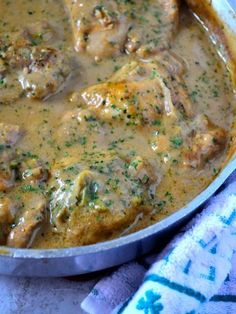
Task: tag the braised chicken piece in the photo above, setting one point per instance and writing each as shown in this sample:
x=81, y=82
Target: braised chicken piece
x=206, y=142
x=174, y=64
x=28, y=225
x=31, y=65
x=74, y=122
x=139, y=93
x=8, y=211
x=46, y=73
x=26, y=214
x=99, y=195
x=9, y=135
x=32, y=170
x=100, y=31
x=147, y=38
x=42, y=33
x=7, y=172
x=33, y=174
x=108, y=28
x=73, y=129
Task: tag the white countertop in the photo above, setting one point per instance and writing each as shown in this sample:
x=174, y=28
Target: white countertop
x=47, y=296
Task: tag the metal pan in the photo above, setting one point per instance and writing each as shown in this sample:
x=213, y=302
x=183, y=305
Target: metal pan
x=86, y=259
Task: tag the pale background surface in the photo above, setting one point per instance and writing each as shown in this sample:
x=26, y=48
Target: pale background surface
x=47, y=296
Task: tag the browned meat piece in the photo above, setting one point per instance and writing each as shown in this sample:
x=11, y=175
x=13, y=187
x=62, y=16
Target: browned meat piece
x=152, y=30
x=31, y=64
x=101, y=31
x=9, y=135
x=7, y=174
x=25, y=231
x=7, y=211
x=142, y=170
x=111, y=27
x=72, y=126
x=9, y=86
x=33, y=170
x=46, y=73
x=16, y=48
x=205, y=143
x=173, y=63
x=7, y=214
x=175, y=66
x=42, y=32
x=92, y=228
x=95, y=198
x=32, y=215
x=139, y=93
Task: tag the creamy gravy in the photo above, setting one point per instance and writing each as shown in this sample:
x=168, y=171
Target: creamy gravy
x=50, y=133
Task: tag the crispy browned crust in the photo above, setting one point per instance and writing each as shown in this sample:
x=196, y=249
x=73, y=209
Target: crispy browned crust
x=226, y=44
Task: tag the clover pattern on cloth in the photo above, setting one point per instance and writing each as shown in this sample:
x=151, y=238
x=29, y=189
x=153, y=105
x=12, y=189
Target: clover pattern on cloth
x=150, y=303
x=193, y=269
x=182, y=278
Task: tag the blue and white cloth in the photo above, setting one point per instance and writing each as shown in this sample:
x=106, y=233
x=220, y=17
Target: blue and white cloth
x=195, y=273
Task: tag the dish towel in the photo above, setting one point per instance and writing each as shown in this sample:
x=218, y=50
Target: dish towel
x=195, y=268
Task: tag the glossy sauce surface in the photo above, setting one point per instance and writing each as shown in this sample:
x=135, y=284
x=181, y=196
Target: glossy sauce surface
x=120, y=138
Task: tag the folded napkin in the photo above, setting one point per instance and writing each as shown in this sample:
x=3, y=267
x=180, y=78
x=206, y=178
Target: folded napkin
x=192, y=270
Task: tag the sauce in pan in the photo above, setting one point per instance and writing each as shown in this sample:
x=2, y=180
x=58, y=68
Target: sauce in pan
x=113, y=115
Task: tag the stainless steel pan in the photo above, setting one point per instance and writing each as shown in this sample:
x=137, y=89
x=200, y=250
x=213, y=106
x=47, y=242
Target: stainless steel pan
x=86, y=259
